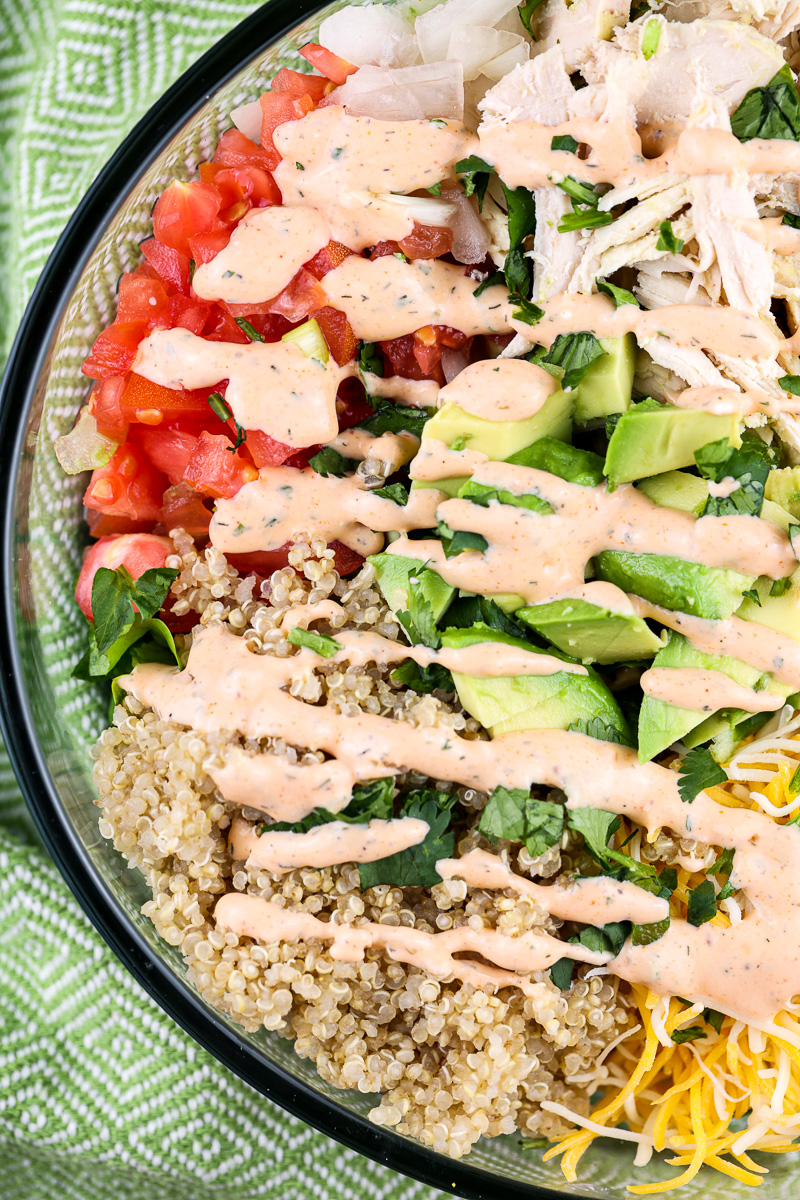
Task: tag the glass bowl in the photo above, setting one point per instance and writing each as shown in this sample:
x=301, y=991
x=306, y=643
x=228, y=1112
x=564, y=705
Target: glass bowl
x=49, y=720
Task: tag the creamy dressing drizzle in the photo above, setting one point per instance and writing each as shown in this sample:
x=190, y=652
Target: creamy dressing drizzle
x=386, y=298
x=346, y=167
x=500, y=389
x=765, y=649
x=394, y=449
x=542, y=556
x=729, y=401
x=416, y=393
x=751, y=970
x=274, y=386
x=267, y=249
x=701, y=690
x=436, y=460
x=324, y=846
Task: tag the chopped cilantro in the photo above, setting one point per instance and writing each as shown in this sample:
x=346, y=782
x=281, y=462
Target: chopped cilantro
x=793, y=220
x=690, y=1033
x=518, y=267
x=396, y=418
x=714, y=1019
x=118, y=625
x=569, y=357
x=457, y=541
x=526, y=311
x=397, y=492
x=702, y=903
x=483, y=494
x=328, y=461
x=752, y=594
x=416, y=866
x=369, y=801
x=369, y=359
x=475, y=175
x=423, y=679
x=584, y=193
x=748, y=464
x=320, y=642
x=492, y=280
x=780, y=586
x=561, y=973
x=564, y=141
x=418, y=621
x=526, y=11
x=436, y=190
x=667, y=239
x=698, y=771
x=790, y=383
x=587, y=218
x=619, y=295
x=513, y=814
x=772, y=111
x=596, y=727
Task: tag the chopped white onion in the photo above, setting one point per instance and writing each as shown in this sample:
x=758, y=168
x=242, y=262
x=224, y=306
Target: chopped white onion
x=406, y=93
x=422, y=209
x=435, y=28
x=471, y=238
x=476, y=46
x=84, y=448
x=499, y=67
x=247, y=120
x=372, y=34
x=453, y=363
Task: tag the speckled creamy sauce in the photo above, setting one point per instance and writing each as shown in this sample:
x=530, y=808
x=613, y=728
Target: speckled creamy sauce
x=339, y=178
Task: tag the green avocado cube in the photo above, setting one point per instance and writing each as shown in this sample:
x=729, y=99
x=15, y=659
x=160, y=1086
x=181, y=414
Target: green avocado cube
x=393, y=571
x=651, y=438
x=675, y=583
x=591, y=633
x=606, y=387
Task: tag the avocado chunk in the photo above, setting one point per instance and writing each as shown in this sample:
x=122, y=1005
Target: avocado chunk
x=688, y=493
x=783, y=487
x=393, y=571
x=591, y=633
x=606, y=387
x=511, y=702
x=559, y=458
x=781, y=613
x=496, y=439
x=651, y=438
x=662, y=724
x=675, y=583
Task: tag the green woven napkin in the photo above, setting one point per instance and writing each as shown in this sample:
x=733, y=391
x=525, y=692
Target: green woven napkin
x=101, y=1094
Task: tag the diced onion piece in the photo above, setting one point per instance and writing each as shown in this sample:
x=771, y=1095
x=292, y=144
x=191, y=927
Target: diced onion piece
x=310, y=340
x=477, y=46
x=453, y=363
x=499, y=67
x=247, y=120
x=374, y=34
x=405, y=94
x=423, y=210
x=83, y=448
x=435, y=28
x=471, y=238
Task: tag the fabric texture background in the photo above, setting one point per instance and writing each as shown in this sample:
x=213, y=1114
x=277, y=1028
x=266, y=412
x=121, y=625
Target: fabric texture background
x=101, y=1094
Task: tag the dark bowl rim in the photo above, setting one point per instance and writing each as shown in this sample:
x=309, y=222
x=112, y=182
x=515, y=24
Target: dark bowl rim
x=26, y=364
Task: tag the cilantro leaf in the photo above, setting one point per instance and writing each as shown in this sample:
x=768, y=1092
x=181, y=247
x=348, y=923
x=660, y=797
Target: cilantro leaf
x=114, y=594
x=652, y=36
x=645, y=935
x=690, y=1033
x=526, y=311
x=699, y=771
x=526, y=11
x=596, y=827
x=248, y=329
x=564, y=141
x=319, y=642
x=790, y=383
x=369, y=801
x=496, y=277
x=418, y=620
x=586, y=218
x=702, y=903
x=467, y=611
x=397, y=492
x=561, y=973
x=570, y=357
x=608, y=939
x=752, y=594
x=619, y=295
x=596, y=727
x=780, y=586
x=793, y=220
x=369, y=359
x=328, y=461
x=518, y=268
x=457, y=541
x=396, y=418
x=513, y=814
x=475, y=175
x=714, y=1019
x=667, y=239
x=423, y=679
x=584, y=193
x=416, y=866
x=749, y=465
x=145, y=641
x=772, y=111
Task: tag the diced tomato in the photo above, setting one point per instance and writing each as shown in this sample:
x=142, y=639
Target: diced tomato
x=114, y=350
x=104, y=405
x=427, y=241
x=338, y=334
x=352, y=405
x=214, y=471
x=172, y=267
x=264, y=562
x=327, y=259
x=178, y=623
x=183, y=508
x=277, y=108
x=102, y=524
x=249, y=186
x=297, y=83
x=186, y=210
x=169, y=450
x=205, y=246
x=383, y=249
x=266, y=451
x=454, y=339
x=400, y=352
x=221, y=327
x=345, y=560
x=127, y=486
x=327, y=63
x=144, y=300
x=427, y=355
x=139, y=552
x=271, y=326
x=148, y=403
x=236, y=150
x=188, y=313
x=302, y=298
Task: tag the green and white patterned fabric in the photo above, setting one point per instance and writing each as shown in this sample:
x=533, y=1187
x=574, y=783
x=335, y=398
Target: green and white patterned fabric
x=101, y=1094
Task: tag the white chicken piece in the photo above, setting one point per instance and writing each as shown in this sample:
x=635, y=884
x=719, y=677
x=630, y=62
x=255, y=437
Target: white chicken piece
x=633, y=237
x=651, y=379
x=721, y=207
x=774, y=18
x=655, y=289
x=576, y=27
x=688, y=363
x=776, y=194
x=722, y=59
x=541, y=90
x=787, y=428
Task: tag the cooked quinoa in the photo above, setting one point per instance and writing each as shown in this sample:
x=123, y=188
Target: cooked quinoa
x=451, y=1062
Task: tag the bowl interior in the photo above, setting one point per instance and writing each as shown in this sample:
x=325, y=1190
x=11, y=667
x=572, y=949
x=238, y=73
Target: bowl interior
x=64, y=716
